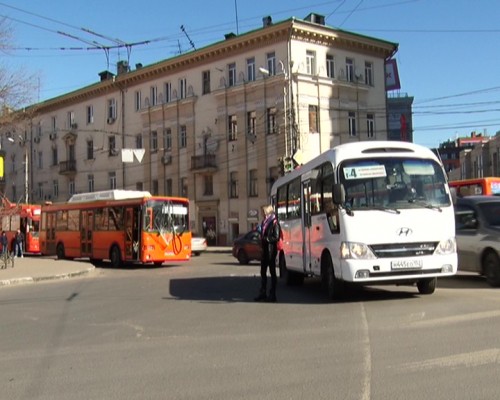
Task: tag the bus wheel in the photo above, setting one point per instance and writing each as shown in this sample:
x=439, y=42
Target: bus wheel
x=334, y=287
x=116, y=257
x=491, y=268
x=60, y=252
x=427, y=286
x=291, y=278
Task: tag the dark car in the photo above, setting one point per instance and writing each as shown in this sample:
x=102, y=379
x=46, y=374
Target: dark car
x=247, y=247
x=477, y=224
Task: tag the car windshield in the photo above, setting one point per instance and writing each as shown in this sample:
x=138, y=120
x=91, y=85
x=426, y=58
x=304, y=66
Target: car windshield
x=491, y=212
x=394, y=183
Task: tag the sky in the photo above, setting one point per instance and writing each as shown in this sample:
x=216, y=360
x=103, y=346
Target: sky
x=448, y=55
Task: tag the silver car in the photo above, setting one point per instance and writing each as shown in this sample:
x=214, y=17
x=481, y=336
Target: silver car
x=477, y=224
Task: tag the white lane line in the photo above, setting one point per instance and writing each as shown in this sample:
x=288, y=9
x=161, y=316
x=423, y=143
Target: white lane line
x=367, y=356
x=469, y=360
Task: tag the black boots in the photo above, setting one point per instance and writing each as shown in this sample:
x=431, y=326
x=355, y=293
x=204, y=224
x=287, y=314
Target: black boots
x=261, y=297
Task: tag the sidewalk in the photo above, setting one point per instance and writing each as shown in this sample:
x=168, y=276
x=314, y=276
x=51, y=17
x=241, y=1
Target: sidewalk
x=32, y=269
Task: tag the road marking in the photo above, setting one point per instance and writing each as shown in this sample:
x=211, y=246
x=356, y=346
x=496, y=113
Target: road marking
x=469, y=360
x=455, y=319
x=367, y=356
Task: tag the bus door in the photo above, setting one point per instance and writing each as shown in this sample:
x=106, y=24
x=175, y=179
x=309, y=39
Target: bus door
x=131, y=233
x=306, y=226
x=49, y=247
x=87, y=227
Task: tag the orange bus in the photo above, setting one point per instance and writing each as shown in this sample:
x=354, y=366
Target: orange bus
x=26, y=218
x=123, y=226
x=486, y=186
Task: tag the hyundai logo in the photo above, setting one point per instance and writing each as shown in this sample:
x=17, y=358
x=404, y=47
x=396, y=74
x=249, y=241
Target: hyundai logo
x=404, y=231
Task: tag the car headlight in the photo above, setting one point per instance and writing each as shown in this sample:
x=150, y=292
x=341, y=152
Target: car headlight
x=447, y=246
x=359, y=251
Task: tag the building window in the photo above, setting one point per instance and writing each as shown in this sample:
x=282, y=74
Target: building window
x=208, y=185
x=233, y=185
x=139, y=186
x=55, y=188
x=168, y=187
x=90, y=149
x=138, y=100
x=370, y=125
x=271, y=63
x=138, y=141
x=40, y=161
x=369, y=73
x=252, y=183
x=183, y=88
x=154, y=141
x=155, y=187
x=55, y=159
x=205, y=77
x=271, y=121
x=90, y=181
x=250, y=69
x=349, y=69
x=251, y=123
x=71, y=119
x=112, y=146
x=231, y=74
x=184, y=187
x=153, y=96
x=183, y=136
x=232, y=127
x=40, y=190
x=90, y=114
x=71, y=187
x=352, y=123
x=311, y=62
x=167, y=139
x=168, y=92
x=111, y=109
x=112, y=180
x=53, y=124
x=313, y=119
x=330, y=66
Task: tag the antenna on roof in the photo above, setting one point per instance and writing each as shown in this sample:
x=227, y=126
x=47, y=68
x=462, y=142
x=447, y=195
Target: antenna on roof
x=236, y=11
x=190, y=41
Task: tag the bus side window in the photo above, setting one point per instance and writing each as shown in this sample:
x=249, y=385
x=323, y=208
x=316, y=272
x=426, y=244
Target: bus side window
x=148, y=219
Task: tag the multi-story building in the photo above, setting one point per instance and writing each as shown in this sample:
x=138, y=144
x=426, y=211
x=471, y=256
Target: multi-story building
x=217, y=125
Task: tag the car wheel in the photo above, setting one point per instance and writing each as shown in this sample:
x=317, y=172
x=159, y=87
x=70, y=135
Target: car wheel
x=243, y=258
x=427, y=286
x=491, y=268
x=334, y=287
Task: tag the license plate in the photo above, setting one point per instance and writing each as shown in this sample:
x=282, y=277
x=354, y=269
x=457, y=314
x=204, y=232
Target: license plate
x=407, y=264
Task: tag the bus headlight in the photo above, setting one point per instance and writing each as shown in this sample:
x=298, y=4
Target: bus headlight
x=359, y=251
x=447, y=246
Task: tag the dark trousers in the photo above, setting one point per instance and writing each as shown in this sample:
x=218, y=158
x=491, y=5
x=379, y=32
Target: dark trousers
x=269, y=251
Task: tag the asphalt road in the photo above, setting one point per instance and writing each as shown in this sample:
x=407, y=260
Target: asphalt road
x=192, y=331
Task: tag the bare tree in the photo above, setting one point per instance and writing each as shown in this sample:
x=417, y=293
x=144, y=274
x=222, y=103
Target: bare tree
x=17, y=87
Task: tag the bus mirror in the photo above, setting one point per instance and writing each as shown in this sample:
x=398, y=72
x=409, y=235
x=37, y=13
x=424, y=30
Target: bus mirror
x=338, y=193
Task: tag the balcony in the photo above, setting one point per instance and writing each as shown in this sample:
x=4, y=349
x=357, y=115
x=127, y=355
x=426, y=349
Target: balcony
x=67, y=167
x=204, y=163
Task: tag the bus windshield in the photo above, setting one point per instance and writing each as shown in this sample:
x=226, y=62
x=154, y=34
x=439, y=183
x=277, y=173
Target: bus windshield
x=165, y=216
x=393, y=183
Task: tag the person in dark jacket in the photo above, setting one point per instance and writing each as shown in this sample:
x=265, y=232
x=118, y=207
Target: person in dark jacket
x=269, y=230
x=4, y=242
x=18, y=244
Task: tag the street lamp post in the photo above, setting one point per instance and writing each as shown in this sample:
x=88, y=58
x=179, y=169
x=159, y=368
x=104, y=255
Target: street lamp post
x=22, y=142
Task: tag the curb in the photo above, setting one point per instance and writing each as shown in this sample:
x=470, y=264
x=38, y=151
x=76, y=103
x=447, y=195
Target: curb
x=26, y=280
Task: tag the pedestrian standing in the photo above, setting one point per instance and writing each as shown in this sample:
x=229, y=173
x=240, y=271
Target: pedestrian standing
x=270, y=235
x=4, y=242
x=18, y=244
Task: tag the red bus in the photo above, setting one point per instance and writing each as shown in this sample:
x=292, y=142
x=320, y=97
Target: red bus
x=26, y=218
x=123, y=226
x=489, y=186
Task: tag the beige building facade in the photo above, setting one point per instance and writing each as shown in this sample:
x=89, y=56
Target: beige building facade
x=217, y=125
